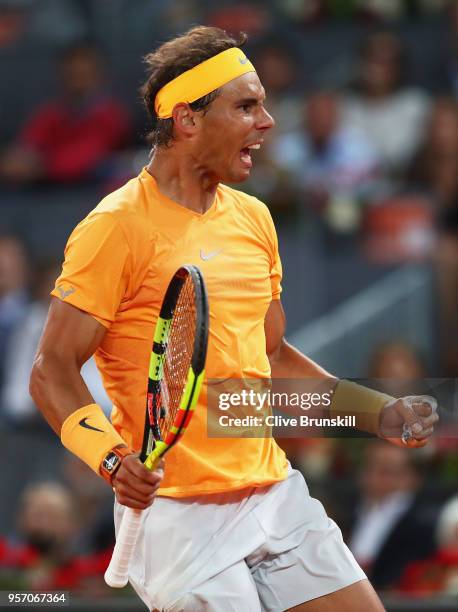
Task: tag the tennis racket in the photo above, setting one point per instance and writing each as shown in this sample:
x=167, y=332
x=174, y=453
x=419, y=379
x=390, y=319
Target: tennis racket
x=176, y=371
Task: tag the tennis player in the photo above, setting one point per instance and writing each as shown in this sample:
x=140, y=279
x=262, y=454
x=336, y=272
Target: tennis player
x=232, y=527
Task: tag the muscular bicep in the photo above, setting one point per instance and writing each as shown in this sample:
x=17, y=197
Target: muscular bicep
x=70, y=333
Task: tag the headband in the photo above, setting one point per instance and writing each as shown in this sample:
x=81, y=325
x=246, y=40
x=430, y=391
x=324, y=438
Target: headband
x=201, y=80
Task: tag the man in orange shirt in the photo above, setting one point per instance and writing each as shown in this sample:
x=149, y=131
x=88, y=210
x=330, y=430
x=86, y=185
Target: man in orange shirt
x=233, y=526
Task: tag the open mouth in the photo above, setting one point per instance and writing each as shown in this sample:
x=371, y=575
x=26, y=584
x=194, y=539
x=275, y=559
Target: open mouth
x=245, y=154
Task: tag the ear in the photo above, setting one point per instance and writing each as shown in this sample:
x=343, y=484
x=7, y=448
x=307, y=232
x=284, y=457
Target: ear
x=184, y=119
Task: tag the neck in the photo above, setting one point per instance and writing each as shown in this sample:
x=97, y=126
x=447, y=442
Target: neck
x=181, y=178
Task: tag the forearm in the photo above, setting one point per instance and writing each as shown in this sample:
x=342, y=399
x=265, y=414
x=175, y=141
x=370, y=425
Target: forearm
x=288, y=362
x=373, y=411
x=347, y=398
x=64, y=400
x=57, y=389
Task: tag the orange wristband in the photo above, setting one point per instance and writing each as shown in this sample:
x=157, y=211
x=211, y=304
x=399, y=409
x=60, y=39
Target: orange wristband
x=89, y=435
x=351, y=399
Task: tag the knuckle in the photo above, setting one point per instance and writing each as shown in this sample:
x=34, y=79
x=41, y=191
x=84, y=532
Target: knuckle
x=144, y=469
x=128, y=460
x=150, y=475
x=406, y=412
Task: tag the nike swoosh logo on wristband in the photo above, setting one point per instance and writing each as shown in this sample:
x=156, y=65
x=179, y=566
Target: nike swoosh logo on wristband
x=207, y=256
x=84, y=424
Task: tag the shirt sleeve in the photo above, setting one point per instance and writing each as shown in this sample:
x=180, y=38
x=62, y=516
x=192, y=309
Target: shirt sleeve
x=276, y=270
x=269, y=236
x=96, y=270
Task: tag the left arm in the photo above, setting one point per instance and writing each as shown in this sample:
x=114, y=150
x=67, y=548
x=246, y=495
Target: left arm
x=288, y=362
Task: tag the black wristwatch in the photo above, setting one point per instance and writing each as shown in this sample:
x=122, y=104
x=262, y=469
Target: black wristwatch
x=112, y=462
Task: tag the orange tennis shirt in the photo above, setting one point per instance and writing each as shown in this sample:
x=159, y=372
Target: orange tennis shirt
x=118, y=263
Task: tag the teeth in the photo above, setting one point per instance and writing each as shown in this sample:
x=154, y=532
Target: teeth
x=255, y=146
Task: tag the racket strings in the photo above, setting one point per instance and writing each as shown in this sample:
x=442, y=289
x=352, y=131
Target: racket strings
x=178, y=354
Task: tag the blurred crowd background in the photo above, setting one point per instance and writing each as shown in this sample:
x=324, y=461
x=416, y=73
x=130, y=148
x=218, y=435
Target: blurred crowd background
x=361, y=176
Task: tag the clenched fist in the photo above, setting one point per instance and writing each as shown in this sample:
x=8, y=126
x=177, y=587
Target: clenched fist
x=409, y=420
x=135, y=486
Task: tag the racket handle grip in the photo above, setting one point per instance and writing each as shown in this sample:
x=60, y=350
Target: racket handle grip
x=117, y=573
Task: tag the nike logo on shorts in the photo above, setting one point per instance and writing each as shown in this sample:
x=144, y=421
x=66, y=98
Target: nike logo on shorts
x=243, y=60
x=84, y=424
x=206, y=256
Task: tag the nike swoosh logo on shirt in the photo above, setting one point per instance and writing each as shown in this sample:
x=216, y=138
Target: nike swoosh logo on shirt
x=84, y=424
x=206, y=256
x=243, y=60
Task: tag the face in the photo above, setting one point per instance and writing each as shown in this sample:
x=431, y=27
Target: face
x=80, y=73
x=46, y=518
x=386, y=471
x=231, y=129
x=399, y=362
x=322, y=117
x=276, y=69
x=381, y=65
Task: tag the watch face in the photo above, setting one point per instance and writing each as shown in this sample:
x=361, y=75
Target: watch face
x=110, y=462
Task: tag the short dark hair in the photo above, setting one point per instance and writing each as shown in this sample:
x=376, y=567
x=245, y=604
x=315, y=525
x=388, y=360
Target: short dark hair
x=172, y=59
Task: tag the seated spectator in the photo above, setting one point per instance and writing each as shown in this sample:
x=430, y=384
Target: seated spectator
x=439, y=573
x=13, y=291
x=326, y=162
x=435, y=172
x=391, y=114
x=434, y=169
x=393, y=524
x=71, y=137
x=42, y=557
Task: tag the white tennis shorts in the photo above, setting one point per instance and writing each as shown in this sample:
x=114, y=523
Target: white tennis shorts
x=259, y=549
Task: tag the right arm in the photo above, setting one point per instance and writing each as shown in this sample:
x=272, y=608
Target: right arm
x=70, y=337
